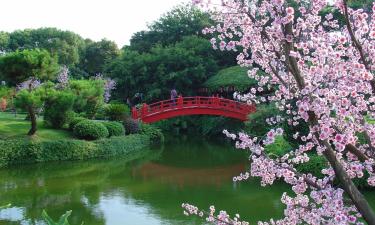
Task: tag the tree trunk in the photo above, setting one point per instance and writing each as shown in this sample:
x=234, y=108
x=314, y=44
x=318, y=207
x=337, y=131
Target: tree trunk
x=33, y=121
x=358, y=199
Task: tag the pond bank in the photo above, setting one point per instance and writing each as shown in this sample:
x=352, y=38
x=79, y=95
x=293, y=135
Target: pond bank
x=26, y=150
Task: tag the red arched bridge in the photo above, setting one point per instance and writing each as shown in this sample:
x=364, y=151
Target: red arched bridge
x=183, y=106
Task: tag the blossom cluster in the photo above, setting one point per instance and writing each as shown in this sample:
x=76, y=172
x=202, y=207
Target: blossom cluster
x=222, y=218
x=321, y=74
x=109, y=85
x=63, y=77
x=29, y=84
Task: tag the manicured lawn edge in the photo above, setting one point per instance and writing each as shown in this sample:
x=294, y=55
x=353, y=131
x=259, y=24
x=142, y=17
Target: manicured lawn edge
x=25, y=151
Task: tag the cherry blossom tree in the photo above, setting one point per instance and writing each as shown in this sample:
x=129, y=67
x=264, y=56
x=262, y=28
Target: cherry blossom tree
x=323, y=74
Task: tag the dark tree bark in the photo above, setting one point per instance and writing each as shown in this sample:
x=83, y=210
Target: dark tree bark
x=32, y=116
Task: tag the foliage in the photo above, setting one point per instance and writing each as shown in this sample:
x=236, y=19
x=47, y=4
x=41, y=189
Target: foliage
x=116, y=111
x=131, y=126
x=184, y=65
x=62, y=221
x=23, y=151
x=279, y=148
x=30, y=101
x=170, y=28
x=5, y=206
x=257, y=124
x=97, y=54
x=320, y=74
x=205, y=126
x=5, y=91
x=114, y=128
x=89, y=96
x=155, y=134
x=75, y=121
x=90, y=130
x=235, y=76
x=56, y=108
x=314, y=166
x=65, y=45
x=18, y=66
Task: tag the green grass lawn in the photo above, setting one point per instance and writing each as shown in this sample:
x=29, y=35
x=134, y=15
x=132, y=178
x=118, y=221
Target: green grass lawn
x=11, y=127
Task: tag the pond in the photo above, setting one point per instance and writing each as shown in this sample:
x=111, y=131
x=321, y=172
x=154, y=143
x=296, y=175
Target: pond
x=147, y=190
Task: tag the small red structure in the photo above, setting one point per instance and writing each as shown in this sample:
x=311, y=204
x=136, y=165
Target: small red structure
x=193, y=106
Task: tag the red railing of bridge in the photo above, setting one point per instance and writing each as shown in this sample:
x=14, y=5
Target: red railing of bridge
x=198, y=102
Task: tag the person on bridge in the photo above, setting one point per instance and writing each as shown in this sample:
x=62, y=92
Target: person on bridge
x=173, y=96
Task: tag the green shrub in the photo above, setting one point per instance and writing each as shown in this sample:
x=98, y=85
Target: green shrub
x=24, y=151
x=90, y=130
x=131, y=126
x=121, y=145
x=257, y=125
x=114, y=128
x=302, y=128
x=73, y=122
x=313, y=166
x=56, y=108
x=116, y=112
x=279, y=148
x=88, y=96
x=155, y=134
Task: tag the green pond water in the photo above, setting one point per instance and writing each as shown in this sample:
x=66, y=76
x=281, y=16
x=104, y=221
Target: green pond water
x=148, y=189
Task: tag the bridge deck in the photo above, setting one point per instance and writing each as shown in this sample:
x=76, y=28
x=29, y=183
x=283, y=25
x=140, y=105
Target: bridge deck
x=192, y=106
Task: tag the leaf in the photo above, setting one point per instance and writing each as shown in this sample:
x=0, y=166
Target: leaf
x=64, y=218
x=5, y=206
x=47, y=218
x=62, y=221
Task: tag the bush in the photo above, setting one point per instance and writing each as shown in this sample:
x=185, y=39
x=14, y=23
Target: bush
x=116, y=111
x=279, y=148
x=114, y=128
x=257, y=125
x=155, y=134
x=313, y=166
x=56, y=108
x=24, y=151
x=90, y=130
x=131, y=126
x=73, y=122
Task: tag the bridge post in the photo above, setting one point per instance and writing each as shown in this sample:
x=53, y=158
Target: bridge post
x=180, y=101
x=144, y=109
x=134, y=113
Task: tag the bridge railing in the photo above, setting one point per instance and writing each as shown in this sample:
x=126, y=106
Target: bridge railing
x=191, y=102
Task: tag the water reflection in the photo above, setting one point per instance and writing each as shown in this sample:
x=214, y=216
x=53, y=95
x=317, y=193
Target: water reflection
x=148, y=189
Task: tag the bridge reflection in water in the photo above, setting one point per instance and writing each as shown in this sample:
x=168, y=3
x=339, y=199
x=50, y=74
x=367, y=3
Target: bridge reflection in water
x=197, y=105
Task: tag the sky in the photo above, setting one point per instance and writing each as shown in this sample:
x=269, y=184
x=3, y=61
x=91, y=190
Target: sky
x=115, y=20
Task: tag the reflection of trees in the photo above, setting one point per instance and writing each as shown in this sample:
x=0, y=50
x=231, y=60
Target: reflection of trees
x=201, y=154
x=58, y=187
x=159, y=186
x=188, y=176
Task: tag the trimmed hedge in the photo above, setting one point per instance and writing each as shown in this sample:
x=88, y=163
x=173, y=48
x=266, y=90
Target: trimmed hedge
x=74, y=122
x=24, y=151
x=117, y=111
x=90, y=130
x=114, y=128
x=155, y=134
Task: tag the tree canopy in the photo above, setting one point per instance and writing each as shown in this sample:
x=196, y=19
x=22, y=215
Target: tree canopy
x=18, y=66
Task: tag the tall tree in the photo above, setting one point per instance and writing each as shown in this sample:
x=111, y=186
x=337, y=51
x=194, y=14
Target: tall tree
x=97, y=54
x=184, y=65
x=27, y=68
x=65, y=45
x=184, y=20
